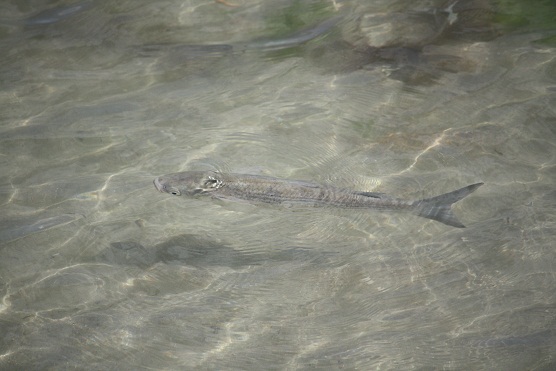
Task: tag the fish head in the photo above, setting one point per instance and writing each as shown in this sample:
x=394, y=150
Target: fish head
x=189, y=183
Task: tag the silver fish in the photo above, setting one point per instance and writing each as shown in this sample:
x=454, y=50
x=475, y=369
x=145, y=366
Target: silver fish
x=297, y=38
x=263, y=189
x=57, y=14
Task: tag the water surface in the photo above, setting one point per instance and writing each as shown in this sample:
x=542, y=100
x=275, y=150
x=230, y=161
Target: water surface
x=98, y=270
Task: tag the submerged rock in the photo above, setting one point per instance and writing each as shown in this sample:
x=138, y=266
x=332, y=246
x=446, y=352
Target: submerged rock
x=415, y=45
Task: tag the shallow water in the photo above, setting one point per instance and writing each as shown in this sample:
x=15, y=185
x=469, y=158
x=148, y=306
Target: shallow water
x=98, y=270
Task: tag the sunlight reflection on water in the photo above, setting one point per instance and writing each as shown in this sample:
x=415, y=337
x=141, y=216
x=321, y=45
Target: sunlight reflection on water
x=99, y=270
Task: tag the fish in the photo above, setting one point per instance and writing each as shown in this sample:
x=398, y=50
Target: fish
x=296, y=39
x=54, y=15
x=23, y=228
x=260, y=189
x=192, y=51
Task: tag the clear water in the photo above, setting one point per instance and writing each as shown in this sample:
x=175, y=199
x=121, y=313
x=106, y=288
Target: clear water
x=100, y=271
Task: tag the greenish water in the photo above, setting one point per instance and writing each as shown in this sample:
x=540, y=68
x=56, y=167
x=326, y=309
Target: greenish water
x=98, y=270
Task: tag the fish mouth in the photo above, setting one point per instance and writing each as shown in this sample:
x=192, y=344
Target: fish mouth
x=158, y=185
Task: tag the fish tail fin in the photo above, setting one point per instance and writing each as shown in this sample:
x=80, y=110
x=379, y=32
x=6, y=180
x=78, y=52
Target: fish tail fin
x=439, y=208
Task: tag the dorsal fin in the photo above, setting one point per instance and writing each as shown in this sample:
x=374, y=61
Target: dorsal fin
x=372, y=194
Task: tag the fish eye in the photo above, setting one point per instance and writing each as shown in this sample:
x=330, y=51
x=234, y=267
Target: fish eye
x=175, y=192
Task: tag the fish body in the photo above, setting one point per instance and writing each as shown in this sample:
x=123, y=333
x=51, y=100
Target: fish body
x=264, y=189
x=57, y=14
x=297, y=38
